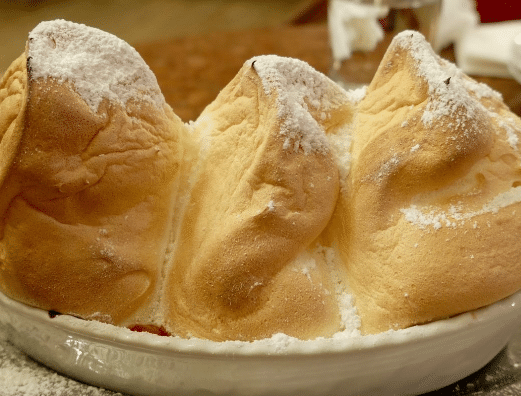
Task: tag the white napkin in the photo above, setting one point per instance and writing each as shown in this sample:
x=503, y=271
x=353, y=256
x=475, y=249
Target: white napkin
x=354, y=26
x=457, y=17
x=480, y=49
x=486, y=49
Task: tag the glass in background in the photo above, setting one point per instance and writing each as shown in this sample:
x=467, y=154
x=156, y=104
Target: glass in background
x=361, y=30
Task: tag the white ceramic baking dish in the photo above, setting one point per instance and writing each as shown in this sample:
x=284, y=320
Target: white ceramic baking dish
x=404, y=362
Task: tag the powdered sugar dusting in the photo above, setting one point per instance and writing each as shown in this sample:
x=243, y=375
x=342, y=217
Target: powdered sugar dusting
x=511, y=130
x=341, y=145
x=341, y=138
x=349, y=319
x=21, y=376
x=480, y=90
x=436, y=218
x=299, y=88
x=458, y=99
x=452, y=93
x=98, y=64
x=448, y=89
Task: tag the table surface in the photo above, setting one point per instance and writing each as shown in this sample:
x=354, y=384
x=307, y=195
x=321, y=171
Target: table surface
x=191, y=71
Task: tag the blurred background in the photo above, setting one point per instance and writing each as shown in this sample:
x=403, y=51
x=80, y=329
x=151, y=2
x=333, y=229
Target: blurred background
x=138, y=21
x=141, y=21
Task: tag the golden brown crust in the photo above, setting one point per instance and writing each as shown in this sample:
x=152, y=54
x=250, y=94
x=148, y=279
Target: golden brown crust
x=113, y=215
x=13, y=100
x=86, y=203
x=113, y=209
x=253, y=208
x=425, y=239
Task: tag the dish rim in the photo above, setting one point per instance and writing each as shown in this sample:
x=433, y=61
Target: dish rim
x=277, y=345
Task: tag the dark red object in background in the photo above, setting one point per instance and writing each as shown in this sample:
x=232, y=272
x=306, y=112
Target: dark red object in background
x=498, y=10
x=489, y=11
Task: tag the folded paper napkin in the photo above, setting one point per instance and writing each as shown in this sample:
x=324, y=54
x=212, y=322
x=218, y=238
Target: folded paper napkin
x=480, y=49
x=486, y=49
x=354, y=26
x=456, y=19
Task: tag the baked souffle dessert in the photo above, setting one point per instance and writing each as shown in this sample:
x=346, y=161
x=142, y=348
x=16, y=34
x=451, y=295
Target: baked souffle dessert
x=428, y=223
x=286, y=206
x=93, y=163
